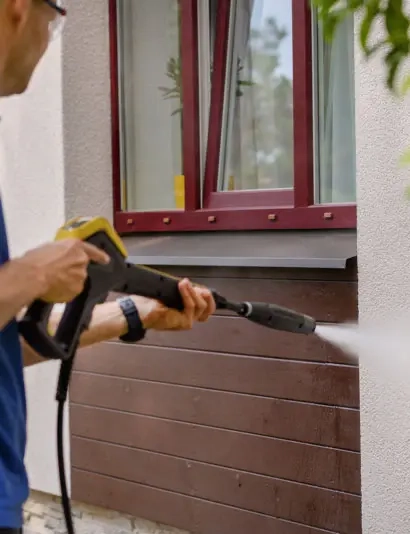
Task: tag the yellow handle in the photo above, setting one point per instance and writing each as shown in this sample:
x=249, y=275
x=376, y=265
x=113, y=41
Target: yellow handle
x=85, y=227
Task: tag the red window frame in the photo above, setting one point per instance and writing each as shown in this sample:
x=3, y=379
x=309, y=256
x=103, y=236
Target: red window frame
x=233, y=210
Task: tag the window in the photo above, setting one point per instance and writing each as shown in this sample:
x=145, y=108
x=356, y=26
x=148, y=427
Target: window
x=229, y=115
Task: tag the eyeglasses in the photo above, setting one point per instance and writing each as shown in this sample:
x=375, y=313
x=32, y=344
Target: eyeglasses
x=57, y=24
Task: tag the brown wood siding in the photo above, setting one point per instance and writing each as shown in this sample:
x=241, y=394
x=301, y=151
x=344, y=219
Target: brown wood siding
x=229, y=427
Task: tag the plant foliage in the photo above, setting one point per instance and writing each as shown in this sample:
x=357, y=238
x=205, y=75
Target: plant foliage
x=393, y=39
x=173, y=72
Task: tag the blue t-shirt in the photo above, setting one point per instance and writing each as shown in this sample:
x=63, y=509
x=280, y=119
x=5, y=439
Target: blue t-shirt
x=14, y=488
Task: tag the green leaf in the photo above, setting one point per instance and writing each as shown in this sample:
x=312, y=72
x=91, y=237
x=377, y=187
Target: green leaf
x=397, y=26
x=405, y=85
x=394, y=17
x=355, y=4
x=331, y=14
x=397, y=23
x=372, y=10
x=392, y=60
x=405, y=158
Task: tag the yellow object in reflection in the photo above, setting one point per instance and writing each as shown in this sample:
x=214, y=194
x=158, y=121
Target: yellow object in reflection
x=179, y=191
x=124, y=199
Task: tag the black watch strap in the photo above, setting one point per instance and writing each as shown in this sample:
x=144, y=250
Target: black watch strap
x=136, y=331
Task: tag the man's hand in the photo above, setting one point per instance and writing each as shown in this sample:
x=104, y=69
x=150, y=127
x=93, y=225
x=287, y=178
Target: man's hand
x=61, y=267
x=54, y=272
x=198, y=302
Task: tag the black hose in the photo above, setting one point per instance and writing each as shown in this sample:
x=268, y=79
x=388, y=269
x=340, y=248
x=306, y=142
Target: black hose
x=61, y=397
x=61, y=468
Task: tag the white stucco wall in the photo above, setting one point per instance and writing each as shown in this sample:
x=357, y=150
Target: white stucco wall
x=87, y=110
x=32, y=187
x=383, y=132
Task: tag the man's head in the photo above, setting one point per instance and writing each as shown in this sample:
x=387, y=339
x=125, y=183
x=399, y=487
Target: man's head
x=24, y=37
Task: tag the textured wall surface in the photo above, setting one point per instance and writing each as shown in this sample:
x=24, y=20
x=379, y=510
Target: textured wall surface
x=86, y=110
x=32, y=187
x=383, y=133
x=31, y=157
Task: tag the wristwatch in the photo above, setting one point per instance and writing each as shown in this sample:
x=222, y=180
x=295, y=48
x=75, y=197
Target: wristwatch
x=136, y=331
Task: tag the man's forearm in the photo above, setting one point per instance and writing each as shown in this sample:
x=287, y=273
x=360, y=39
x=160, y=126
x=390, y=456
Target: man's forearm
x=108, y=322
x=20, y=284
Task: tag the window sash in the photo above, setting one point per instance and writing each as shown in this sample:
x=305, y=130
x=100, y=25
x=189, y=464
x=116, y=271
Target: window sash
x=302, y=193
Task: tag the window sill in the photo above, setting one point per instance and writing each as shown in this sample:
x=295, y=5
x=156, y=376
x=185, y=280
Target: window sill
x=283, y=249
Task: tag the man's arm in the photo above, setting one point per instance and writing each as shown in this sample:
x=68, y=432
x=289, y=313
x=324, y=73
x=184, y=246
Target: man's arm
x=108, y=322
x=20, y=283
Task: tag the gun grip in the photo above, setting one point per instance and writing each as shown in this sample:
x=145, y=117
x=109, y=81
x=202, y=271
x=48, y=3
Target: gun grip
x=33, y=328
x=76, y=317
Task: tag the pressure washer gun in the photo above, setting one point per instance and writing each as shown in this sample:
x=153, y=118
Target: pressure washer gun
x=120, y=276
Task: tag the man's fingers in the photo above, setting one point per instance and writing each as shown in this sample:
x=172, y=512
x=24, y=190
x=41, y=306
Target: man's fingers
x=198, y=306
x=210, y=305
x=95, y=254
x=201, y=304
x=199, y=301
x=186, y=290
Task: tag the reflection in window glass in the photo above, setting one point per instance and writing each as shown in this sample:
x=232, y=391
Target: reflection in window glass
x=207, y=17
x=257, y=136
x=150, y=96
x=335, y=115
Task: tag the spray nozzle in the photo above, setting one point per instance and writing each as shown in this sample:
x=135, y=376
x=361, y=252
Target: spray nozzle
x=269, y=315
x=278, y=318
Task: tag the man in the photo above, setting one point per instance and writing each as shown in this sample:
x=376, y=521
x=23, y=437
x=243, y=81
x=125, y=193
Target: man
x=54, y=272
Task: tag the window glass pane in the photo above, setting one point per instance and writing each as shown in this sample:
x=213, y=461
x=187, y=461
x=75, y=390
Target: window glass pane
x=335, y=114
x=257, y=135
x=150, y=111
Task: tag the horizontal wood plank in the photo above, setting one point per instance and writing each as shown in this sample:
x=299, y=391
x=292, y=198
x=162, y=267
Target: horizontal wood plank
x=238, y=336
x=189, y=513
x=311, y=382
x=326, y=301
x=319, y=466
x=278, y=498
x=317, y=424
